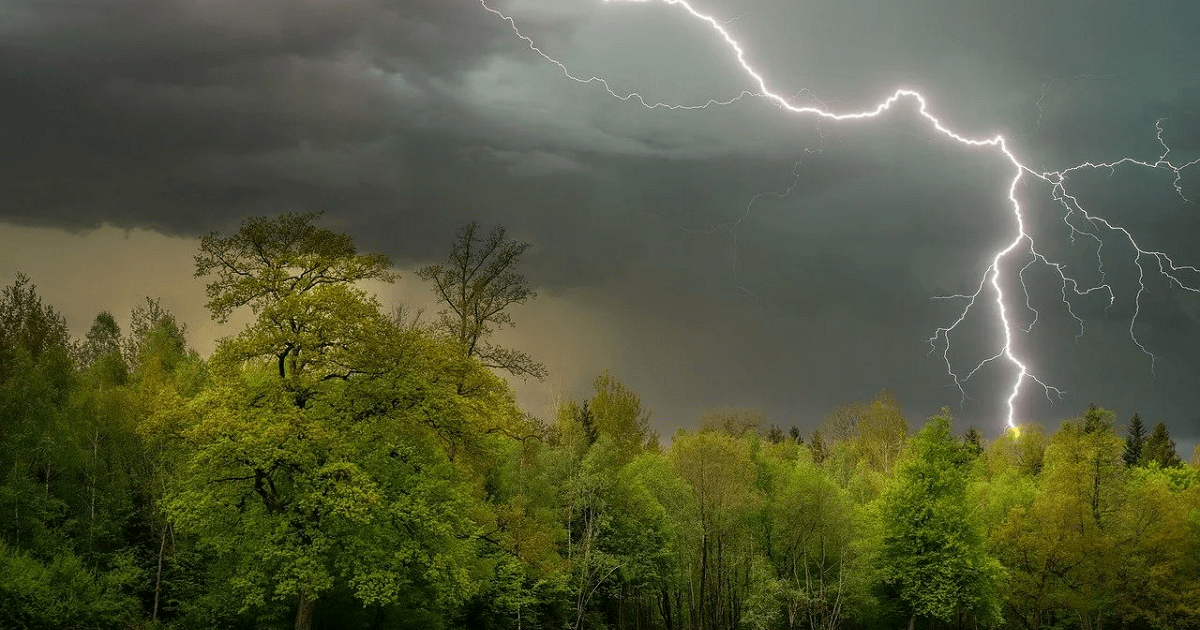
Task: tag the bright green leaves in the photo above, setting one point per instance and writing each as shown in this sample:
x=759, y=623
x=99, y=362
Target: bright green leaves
x=321, y=456
x=933, y=554
x=613, y=412
x=814, y=543
x=308, y=498
x=269, y=261
x=1096, y=540
x=311, y=323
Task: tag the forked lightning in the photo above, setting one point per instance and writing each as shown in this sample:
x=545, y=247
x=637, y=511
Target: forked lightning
x=1077, y=218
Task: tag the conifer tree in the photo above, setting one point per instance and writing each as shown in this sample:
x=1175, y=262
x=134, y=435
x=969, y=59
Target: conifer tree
x=974, y=442
x=1135, y=439
x=1160, y=448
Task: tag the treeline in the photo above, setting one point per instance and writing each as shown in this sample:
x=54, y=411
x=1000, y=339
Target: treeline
x=336, y=466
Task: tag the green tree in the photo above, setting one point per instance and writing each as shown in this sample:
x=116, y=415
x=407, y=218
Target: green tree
x=1096, y=419
x=103, y=345
x=721, y=472
x=166, y=376
x=28, y=325
x=583, y=415
x=37, y=446
x=299, y=281
x=816, y=444
x=874, y=433
x=619, y=414
x=933, y=557
x=1159, y=552
x=1063, y=550
x=974, y=442
x=305, y=501
x=479, y=283
x=319, y=455
x=1023, y=448
x=672, y=591
x=813, y=528
x=1160, y=448
x=613, y=411
x=102, y=428
x=1135, y=438
x=64, y=593
x=155, y=332
x=617, y=537
x=615, y=526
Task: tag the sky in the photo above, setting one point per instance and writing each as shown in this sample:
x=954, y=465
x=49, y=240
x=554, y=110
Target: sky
x=132, y=127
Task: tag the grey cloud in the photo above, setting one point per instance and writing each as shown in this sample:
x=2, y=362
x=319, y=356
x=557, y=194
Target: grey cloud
x=536, y=163
x=405, y=119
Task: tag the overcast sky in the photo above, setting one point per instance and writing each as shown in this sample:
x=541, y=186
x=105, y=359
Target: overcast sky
x=130, y=127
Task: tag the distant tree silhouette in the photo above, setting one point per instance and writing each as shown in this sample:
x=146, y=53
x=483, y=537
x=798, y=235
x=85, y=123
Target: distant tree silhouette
x=1160, y=448
x=974, y=442
x=479, y=282
x=1135, y=439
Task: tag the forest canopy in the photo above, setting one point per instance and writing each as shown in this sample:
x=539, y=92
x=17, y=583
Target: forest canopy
x=333, y=465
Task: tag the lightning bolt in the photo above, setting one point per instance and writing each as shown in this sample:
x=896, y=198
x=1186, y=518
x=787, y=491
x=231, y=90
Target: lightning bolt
x=1076, y=217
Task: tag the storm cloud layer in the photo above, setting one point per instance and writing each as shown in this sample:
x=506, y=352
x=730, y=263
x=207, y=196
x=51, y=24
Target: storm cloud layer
x=403, y=120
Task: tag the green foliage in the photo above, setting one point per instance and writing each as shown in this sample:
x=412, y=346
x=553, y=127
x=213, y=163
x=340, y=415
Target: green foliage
x=973, y=440
x=312, y=322
x=330, y=466
x=816, y=446
x=1151, y=582
x=1160, y=448
x=64, y=594
x=618, y=413
x=37, y=442
x=1062, y=549
x=873, y=433
x=815, y=533
x=304, y=499
x=933, y=557
x=1022, y=449
x=27, y=324
x=269, y=264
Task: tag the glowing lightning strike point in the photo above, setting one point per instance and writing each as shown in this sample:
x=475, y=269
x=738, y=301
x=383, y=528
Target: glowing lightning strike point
x=992, y=275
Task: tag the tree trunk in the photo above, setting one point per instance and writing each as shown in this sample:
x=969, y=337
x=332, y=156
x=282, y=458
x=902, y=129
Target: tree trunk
x=666, y=609
x=95, y=456
x=703, y=603
x=162, y=547
x=912, y=621
x=304, y=612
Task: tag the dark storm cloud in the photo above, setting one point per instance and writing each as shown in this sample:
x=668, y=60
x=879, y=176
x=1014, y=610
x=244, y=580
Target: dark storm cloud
x=404, y=119
x=168, y=113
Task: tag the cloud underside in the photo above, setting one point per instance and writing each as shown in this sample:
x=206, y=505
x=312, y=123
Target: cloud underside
x=404, y=120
